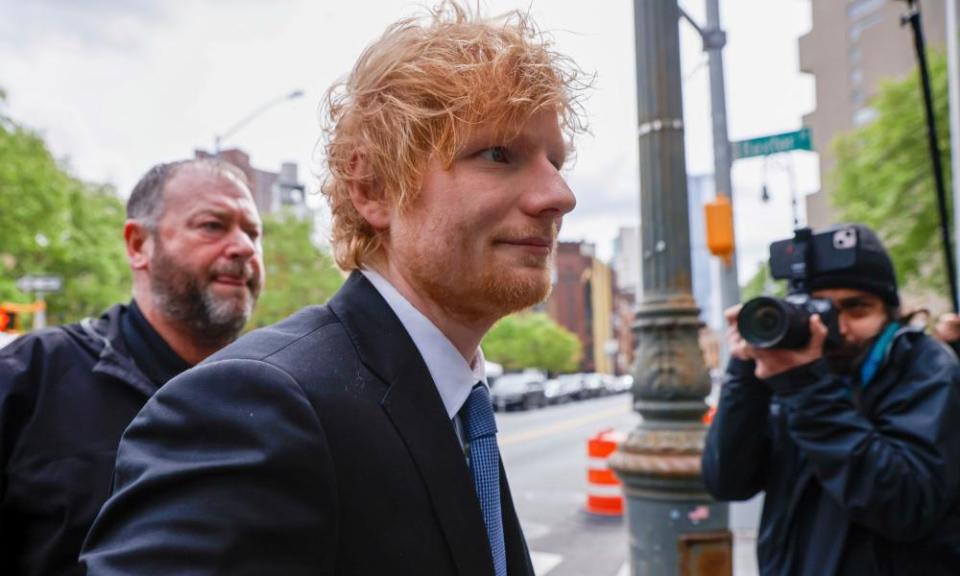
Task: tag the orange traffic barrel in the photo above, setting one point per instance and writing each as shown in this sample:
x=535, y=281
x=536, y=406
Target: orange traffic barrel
x=708, y=417
x=604, y=492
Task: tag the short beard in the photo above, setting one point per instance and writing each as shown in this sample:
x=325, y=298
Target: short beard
x=489, y=297
x=846, y=359
x=189, y=301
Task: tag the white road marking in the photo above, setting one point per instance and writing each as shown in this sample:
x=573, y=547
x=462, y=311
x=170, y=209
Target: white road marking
x=544, y=562
x=534, y=530
x=624, y=570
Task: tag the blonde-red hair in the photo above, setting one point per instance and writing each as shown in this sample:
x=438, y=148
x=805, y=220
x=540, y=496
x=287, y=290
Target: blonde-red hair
x=416, y=93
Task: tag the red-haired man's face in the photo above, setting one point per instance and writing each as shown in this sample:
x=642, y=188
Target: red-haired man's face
x=479, y=239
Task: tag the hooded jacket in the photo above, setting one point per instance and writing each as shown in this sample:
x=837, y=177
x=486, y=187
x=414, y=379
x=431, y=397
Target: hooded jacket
x=858, y=479
x=66, y=396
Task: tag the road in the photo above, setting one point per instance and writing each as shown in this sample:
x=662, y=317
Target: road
x=545, y=455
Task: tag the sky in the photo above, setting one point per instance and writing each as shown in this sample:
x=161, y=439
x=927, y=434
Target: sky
x=115, y=86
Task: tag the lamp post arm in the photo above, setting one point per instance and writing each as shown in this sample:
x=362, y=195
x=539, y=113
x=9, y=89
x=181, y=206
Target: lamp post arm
x=253, y=115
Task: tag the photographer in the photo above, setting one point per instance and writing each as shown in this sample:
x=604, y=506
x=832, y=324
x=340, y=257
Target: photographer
x=856, y=444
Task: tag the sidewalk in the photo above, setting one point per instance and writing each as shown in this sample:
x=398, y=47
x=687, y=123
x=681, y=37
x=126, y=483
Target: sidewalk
x=744, y=520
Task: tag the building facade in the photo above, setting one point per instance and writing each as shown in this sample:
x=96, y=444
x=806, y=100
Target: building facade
x=272, y=191
x=582, y=301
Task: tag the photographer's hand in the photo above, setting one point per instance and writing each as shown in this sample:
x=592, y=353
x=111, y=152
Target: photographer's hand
x=739, y=348
x=776, y=361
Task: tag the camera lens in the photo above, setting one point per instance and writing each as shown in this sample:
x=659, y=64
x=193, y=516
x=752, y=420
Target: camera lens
x=762, y=322
x=767, y=322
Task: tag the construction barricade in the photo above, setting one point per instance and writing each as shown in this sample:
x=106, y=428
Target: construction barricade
x=604, y=492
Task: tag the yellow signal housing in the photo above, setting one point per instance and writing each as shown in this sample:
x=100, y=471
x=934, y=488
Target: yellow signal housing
x=719, y=218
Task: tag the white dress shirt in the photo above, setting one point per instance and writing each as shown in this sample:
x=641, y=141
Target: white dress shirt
x=452, y=375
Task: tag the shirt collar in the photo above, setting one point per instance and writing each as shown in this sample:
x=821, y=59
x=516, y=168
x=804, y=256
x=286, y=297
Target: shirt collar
x=452, y=375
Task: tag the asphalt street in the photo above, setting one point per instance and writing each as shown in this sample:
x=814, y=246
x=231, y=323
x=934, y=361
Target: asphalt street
x=545, y=456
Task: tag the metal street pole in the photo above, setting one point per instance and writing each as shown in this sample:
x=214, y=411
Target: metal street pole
x=671, y=518
x=953, y=77
x=714, y=40
x=912, y=17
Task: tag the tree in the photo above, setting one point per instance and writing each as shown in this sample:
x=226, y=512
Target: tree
x=52, y=223
x=884, y=176
x=298, y=272
x=532, y=340
x=762, y=284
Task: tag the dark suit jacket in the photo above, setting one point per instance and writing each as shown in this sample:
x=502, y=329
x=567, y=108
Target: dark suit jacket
x=316, y=446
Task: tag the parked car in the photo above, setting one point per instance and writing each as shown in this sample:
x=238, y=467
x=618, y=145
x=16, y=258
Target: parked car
x=523, y=391
x=593, y=385
x=571, y=386
x=556, y=392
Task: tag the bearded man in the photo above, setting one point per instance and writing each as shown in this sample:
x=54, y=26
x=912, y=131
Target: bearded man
x=856, y=447
x=66, y=394
x=358, y=437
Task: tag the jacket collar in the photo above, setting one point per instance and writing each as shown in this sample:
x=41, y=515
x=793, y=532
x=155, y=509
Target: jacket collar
x=414, y=406
x=102, y=336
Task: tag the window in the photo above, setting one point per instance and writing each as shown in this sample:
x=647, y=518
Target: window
x=854, y=55
x=864, y=115
x=858, y=27
x=860, y=8
x=856, y=77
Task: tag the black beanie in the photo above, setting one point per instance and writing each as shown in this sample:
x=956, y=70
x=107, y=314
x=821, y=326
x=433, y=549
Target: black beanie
x=872, y=272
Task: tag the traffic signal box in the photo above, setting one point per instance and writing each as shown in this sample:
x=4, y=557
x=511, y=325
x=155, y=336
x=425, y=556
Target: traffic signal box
x=8, y=320
x=11, y=314
x=719, y=219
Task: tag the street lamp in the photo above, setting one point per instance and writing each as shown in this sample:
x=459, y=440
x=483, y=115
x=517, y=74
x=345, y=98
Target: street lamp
x=672, y=520
x=218, y=138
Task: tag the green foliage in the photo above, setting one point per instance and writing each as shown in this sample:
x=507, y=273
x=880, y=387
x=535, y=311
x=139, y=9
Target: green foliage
x=532, y=340
x=298, y=272
x=51, y=223
x=884, y=176
x=762, y=284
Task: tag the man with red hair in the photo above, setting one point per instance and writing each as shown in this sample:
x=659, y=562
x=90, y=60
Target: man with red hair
x=358, y=437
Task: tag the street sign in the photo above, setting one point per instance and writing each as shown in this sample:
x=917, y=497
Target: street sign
x=773, y=144
x=40, y=284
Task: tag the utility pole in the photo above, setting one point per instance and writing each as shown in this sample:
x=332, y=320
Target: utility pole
x=953, y=78
x=671, y=518
x=714, y=40
x=912, y=18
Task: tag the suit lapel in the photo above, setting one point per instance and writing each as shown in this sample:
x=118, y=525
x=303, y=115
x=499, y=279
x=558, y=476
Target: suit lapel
x=414, y=406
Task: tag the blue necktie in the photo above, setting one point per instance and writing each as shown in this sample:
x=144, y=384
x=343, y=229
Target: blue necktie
x=481, y=431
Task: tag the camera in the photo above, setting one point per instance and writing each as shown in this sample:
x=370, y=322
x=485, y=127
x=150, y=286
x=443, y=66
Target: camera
x=768, y=322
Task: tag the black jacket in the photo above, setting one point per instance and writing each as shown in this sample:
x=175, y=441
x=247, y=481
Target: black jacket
x=856, y=481
x=317, y=446
x=66, y=395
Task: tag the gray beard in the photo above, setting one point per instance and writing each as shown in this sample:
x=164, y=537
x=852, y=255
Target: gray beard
x=211, y=319
x=178, y=295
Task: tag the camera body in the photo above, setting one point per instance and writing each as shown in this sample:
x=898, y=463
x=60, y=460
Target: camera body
x=767, y=322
